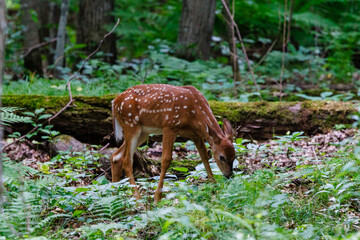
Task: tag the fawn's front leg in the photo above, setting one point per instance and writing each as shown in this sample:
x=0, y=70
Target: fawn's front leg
x=167, y=147
x=200, y=145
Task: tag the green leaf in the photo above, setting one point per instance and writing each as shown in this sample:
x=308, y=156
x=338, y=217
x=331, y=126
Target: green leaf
x=239, y=141
x=31, y=114
x=78, y=213
x=44, y=116
x=38, y=111
x=34, y=15
x=181, y=169
x=326, y=94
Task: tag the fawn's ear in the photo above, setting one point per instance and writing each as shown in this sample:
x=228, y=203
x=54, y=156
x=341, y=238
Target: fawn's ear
x=213, y=135
x=228, y=130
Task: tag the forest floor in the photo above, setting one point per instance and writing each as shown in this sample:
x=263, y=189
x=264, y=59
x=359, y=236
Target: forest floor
x=292, y=186
x=283, y=153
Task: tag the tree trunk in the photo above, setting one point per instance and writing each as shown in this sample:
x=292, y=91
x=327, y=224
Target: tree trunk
x=32, y=61
x=89, y=119
x=2, y=50
x=49, y=15
x=230, y=38
x=93, y=16
x=59, y=53
x=196, y=28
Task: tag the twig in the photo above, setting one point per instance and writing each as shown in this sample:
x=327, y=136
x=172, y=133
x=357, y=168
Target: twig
x=68, y=85
x=234, y=50
x=263, y=58
x=96, y=50
x=232, y=45
x=104, y=147
x=103, y=173
x=29, y=50
x=71, y=100
x=285, y=41
x=316, y=158
x=289, y=22
x=243, y=48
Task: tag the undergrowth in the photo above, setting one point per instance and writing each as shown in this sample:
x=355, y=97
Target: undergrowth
x=319, y=201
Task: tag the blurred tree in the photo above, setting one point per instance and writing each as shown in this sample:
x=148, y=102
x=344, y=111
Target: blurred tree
x=93, y=16
x=29, y=20
x=59, y=53
x=196, y=28
x=49, y=14
x=2, y=50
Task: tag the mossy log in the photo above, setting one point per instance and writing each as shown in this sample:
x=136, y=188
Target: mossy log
x=89, y=118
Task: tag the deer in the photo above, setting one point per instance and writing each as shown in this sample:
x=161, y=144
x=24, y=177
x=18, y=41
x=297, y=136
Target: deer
x=170, y=111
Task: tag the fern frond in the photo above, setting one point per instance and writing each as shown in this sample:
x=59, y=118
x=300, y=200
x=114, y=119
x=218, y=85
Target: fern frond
x=8, y=116
x=48, y=220
x=20, y=215
x=102, y=227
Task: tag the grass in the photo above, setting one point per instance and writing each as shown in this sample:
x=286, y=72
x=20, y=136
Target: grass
x=43, y=86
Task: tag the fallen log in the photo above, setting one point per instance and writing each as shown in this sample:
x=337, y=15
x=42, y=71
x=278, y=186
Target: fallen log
x=89, y=118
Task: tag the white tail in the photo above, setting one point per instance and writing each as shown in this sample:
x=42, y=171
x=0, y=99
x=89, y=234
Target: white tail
x=118, y=131
x=171, y=111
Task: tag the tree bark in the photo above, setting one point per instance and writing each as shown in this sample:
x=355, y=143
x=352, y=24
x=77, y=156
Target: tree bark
x=59, y=53
x=89, y=119
x=32, y=61
x=93, y=16
x=196, y=28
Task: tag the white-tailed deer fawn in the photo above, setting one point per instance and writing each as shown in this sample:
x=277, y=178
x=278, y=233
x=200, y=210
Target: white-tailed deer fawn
x=171, y=111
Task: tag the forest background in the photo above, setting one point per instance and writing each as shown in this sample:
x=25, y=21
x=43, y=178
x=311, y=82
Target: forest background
x=290, y=187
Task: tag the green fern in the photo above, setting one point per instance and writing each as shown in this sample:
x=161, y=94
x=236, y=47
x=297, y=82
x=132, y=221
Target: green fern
x=20, y=215
x=8, y=116
x=110, y=208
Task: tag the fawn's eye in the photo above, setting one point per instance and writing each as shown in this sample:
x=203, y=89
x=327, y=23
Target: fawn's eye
x=222, y=158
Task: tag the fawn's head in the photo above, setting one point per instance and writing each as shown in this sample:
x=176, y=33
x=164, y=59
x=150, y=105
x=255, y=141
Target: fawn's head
x=223, y=149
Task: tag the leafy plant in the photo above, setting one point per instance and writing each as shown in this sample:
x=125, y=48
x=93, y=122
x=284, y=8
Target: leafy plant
x=76, y=166
x=328, y=96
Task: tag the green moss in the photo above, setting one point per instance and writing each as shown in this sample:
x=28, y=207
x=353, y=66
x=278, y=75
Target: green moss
x=53, y=104
x=238, y=112
x=331, y=112
x=32, y=102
